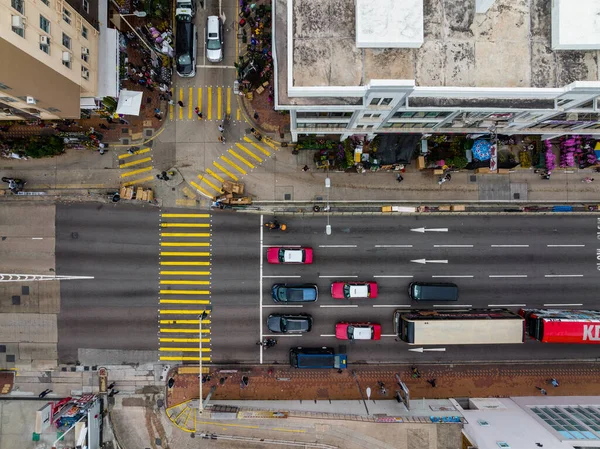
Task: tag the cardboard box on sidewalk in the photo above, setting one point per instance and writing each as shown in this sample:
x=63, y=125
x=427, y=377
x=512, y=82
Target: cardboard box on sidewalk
x=482, y=170
x=457, y=208
x=386, y=209
x=421, y=162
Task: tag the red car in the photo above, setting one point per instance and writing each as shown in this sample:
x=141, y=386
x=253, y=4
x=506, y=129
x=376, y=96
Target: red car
x=358, y=331
x=280, y=254
x=350, y=290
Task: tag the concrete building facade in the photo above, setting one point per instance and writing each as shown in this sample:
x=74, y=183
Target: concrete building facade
x=346, y=67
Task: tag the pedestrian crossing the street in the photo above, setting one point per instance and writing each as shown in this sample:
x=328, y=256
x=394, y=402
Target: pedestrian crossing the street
x=185, y=287
x=214, y=102
x=136, y=166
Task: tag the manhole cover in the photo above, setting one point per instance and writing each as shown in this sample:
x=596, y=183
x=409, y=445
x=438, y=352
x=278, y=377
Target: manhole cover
x=287, y=196
x=74, y=235
x=473, y=178
x=160, y=403
x=125, y=141
x=149, y=133
x=516, y=196
x=157, y=442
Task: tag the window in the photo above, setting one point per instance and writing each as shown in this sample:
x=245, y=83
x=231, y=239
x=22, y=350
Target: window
x=19, y=30
x=381, y=101
x=45, y=48
x=66, y=41
x=44, y=24
x=86, y=5
x=7, y=99
x=85, y=73
x=85, y=54
x=53, y=110
x=386, y=101
x=4, y=87
x=67, y=64
x=46, y=2
x=84, y=32
x=66, y=15
x=19, y=5
x=375, y=101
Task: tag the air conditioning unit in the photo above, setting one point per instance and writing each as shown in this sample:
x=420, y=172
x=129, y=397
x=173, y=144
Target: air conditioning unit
x=85, y=73
x=66, y=56
x=45, y=40
x=31, y=100
x=17, y=21
x=85, y=51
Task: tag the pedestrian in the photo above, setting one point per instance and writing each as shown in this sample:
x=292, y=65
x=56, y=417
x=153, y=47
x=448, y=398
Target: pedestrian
x=544, y=392
x=305, y=168
x=432, y=382
x=112, y=393
x=221, y=129
x=158, y=116
x=180, y=103
x=157, y=111
x=256, y=115
x=44, y=393
x=415, y=372
x=554, y=382
x=112, y=385
x=222, y=140
x=171, y=102
x=399, y=178
x=131, y=150
x=101, y=147
x=103, y=126
x=165, y=176
x=108, y=119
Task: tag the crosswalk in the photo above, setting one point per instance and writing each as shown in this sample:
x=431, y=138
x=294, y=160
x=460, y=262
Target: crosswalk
x=136, y=166
x=215, y=103
x=185, y=295
x=233, y=164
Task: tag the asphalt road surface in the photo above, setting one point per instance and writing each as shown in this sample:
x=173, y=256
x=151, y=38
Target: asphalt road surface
x=497, y=261
x=117, y=244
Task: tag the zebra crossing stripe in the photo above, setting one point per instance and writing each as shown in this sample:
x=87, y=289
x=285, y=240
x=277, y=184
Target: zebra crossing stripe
x=202, y=190
x=224, y=170
x=132, y=163
x=214, y=175
x=202, y=178
x=258, y=147
x=248, y=152
x=240, y=158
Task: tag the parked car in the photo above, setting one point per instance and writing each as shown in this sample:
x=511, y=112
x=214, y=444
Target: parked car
x=214, y=39
x=289, y=324
x=358, y=331
x=289, y=255
x=185, y=49
x=294, y=292
x=350, y=290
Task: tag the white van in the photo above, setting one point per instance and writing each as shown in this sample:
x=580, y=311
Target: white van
x=214, y=39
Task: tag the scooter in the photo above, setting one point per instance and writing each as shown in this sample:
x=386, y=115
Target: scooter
x=14, y=184
x=275, y=225
x=444, y=179
x=267, y=343
x=256, y=134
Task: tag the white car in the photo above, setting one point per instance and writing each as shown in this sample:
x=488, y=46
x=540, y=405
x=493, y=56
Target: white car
x=214, y=39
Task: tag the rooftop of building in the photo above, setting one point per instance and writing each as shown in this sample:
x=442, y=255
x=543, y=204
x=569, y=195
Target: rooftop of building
x=510, y=45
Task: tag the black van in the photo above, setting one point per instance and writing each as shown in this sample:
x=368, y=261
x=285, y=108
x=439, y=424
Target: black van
x=433, y=291
x=185, y=49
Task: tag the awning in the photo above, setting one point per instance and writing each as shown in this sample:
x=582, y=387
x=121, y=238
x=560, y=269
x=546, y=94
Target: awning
x=130, y=102
x=88, y=103
x=108, y=55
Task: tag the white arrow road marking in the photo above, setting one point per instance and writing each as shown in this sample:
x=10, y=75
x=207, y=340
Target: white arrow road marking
x=429, y=349
x=430, y=230
x=423, y=261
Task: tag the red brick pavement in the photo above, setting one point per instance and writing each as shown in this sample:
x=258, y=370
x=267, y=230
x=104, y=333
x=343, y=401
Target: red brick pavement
x=283, y=383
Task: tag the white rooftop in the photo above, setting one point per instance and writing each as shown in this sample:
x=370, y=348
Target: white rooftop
x=362, y=333
x=576, y=25
x=293, y=255
x=389, y=23
x=359, y=291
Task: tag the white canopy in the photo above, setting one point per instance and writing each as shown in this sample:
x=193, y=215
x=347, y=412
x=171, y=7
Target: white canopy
x=130, y=102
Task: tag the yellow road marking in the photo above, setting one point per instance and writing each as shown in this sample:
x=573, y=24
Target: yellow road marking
x=185, y=321
x=184, y=359
x=189, y=244
x=184, y=301
x=209, y=103
x=180, y=108
x=238, y=114
x=163, y=349
x=289, y=430
x=185, y=234
x=200, y=100
x=184, y=292
x=234, y=165
x=135, y=153
x=184, y=253
x=186, y=215
x=184, y=312
x=185, y=225
x=187, y=192
x=171, y=109
x=229, y=101
x=184, y=202
x=184, y=331
x=258, y=147
x=214, y=175
x=268, y=142
x=137, y=181
x=248, y=152
x=183, y=340
x=184, y=273
x=202, y=190
x=179, y=264
x=135, y=172
x=240, y=158
x=132, y=163
x=219, y=103
x=224, y=170
x=191, y=103
x=181, y=282
x=243, y=426
x=202, y=178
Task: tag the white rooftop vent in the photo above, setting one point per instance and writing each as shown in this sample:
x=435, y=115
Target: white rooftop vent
x=575, y=25
x=31, y=100
x=389, y=23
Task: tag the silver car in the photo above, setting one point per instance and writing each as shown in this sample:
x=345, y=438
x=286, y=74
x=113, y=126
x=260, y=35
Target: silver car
x=214, y=39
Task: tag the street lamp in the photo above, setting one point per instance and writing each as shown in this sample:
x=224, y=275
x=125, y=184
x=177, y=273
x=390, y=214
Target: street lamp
x=327, y=186
x=200, y=318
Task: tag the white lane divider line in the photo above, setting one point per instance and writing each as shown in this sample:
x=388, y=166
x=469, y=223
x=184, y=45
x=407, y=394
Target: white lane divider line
x=281, y=246
x=507, y=276
x=452, y=276
x=280, y=306
x=281, y=335
x=509, y=246
x=327, y=335
x=507, y=305
x=281, y=277
x=339, y=306
x=561, y=305
x=389, y=335
x=453, y=246
x=565, y=246
x=338, y=276
x=393, y=246
x=338, y=246
x=392, y=305
x=393, y=276
x=563, y=275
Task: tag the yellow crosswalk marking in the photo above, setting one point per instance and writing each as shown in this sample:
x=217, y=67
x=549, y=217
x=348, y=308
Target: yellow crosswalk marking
x=269, y=143
x=186, y=215
x=180, y=108
x=184, y=292
x=183, y=349
x=183, y=282
x=184, y=202
x=224, y=170
x=185, y=331
x=199, y=100
x=209, y=103
x=137, y=181
x=184, y=253
x=187, y=192
x=238, y=114
x=202, y=190
x=248, y=152
x=135, y=172
x=184, y=273
x=234, y=165
x=214, y=175
x=135, y=153
x=219, y=103
x=240, y=158
x=185, y=234
x=171, y=109
x=183, y=312
x=229, y=101
x=184, y=321
x=184, y=301
x=180, y=264
x=190, y=102
x=202, y=178
x=185, y=225
x=184, y=359
x=183, y=340
x=258, y=147
x=132, y=163
x=183, y=244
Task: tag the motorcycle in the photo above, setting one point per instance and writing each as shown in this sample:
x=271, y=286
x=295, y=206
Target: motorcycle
x=275, y=225
x=256, y=134
x=15, y=185
x=267, y=343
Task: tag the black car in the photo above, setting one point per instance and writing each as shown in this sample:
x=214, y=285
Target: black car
x=294, y=292
x=281, y=323
x=185, y=49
